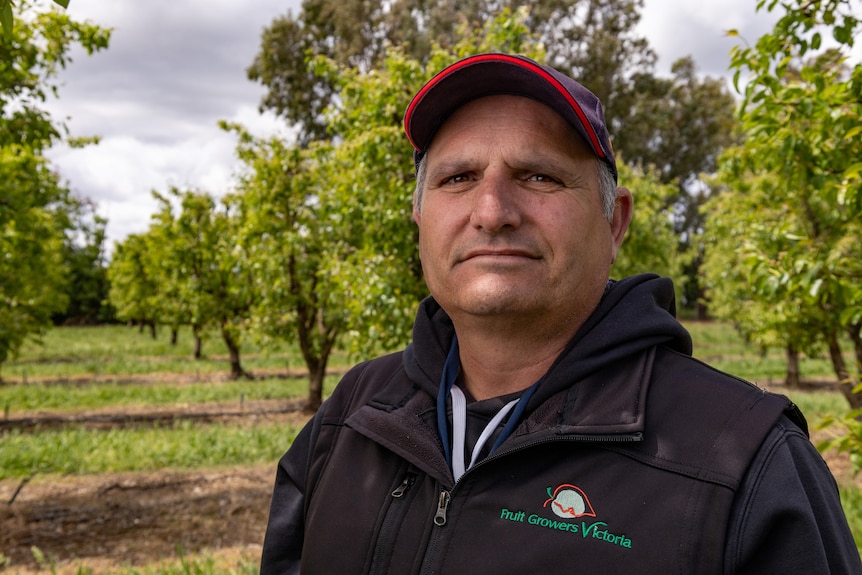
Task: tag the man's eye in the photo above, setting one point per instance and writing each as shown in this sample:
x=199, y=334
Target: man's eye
x=541, y=178
x=456, y=179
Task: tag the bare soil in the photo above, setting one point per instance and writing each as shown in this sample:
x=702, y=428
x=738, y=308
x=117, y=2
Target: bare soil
x=134, y=519
x=108, y=521
x=114, y=418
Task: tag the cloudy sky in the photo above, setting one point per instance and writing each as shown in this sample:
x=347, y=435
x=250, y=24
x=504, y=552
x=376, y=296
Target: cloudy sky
x=174, y=68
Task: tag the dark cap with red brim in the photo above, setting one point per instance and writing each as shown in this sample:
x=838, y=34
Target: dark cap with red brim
x=493, y=74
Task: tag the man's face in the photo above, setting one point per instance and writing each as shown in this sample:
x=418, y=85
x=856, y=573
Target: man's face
x=511, y=223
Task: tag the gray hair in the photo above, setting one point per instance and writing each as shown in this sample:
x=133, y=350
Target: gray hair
x=607, y=186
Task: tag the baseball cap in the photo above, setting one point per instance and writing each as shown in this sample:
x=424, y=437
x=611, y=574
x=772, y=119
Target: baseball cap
x=492, y=74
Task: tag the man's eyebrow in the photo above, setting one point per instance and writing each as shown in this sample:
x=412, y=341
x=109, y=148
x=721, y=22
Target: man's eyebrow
x=552, y=164
x=450, y=167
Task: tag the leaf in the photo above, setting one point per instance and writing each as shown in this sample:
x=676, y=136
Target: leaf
x=63, y=3
x=815, y=41
x=853, y=132
x=815, y=288
x=853, y=170
x=6, y=16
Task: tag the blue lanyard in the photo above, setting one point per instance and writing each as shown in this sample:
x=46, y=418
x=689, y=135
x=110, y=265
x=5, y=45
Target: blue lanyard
x=447, y=380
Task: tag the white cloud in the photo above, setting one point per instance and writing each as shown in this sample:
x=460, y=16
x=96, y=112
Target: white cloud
x=678, y=28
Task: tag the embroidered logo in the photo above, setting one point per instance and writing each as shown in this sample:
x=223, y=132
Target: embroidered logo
x=569, y=502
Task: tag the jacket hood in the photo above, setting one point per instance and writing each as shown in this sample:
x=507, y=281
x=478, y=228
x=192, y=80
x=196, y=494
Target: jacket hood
x=635, y=314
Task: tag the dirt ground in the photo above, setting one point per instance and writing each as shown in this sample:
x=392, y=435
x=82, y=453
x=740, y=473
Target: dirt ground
x=129, y=519
x=133, y=519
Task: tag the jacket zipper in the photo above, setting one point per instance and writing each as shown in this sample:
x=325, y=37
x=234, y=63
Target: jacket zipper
x=440, y=516
x=391, y=522
x=442, y=507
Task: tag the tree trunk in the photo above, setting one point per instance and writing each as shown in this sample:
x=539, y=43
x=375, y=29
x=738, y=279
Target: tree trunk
x=175, y=334
x=315, y=386
x=236, y=370
x=199, y=344
x=855, y=333
x=792, y=379
x=152, y=325
x=846, y=383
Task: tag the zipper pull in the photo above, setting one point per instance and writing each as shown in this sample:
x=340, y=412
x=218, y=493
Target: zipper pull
x=405, y=485
x=442, y=506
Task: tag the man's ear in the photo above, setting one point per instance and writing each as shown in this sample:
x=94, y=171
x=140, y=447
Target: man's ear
x=622, y=217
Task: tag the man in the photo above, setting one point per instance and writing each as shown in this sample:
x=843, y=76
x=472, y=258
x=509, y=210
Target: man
x=545, y=419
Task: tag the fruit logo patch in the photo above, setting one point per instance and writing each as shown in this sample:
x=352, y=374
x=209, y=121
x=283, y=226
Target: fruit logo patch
x=569, y=502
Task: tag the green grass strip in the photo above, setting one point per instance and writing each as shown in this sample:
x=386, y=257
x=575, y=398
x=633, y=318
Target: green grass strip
x=34, y=396
x=120, y=350
x=203, y=564
x=79, y=451
x=851, y=501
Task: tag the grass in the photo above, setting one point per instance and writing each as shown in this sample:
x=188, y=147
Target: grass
x=18, y=398
x=243, y=563
x=719, y=345
x=71, y=352
x=180, y=446
x=818, y=404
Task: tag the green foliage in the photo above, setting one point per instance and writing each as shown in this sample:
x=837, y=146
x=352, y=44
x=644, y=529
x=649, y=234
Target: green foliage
x=187, y=269
x=86, y=264
x=784, y=242
x=37, y=48
x=651, y=243
x=721, y=345
x=36, y=210
x=134, y=290
x=851, y=502
x=6, y=14
x=32, y=231
x=849, y=438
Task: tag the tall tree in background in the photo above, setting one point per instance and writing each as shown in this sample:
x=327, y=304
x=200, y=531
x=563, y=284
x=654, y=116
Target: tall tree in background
x=802, y=117
x=211, y=277
x=36, y=210
x=134, y=282
x=87, y=268
x=290, y=242
x=187, y=269
x=594, y=40
x=679, y=126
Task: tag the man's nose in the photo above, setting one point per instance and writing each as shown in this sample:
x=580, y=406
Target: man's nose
x=495, y=206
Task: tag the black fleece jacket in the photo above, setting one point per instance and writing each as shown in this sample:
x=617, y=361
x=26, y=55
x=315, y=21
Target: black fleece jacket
x=631, y=457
